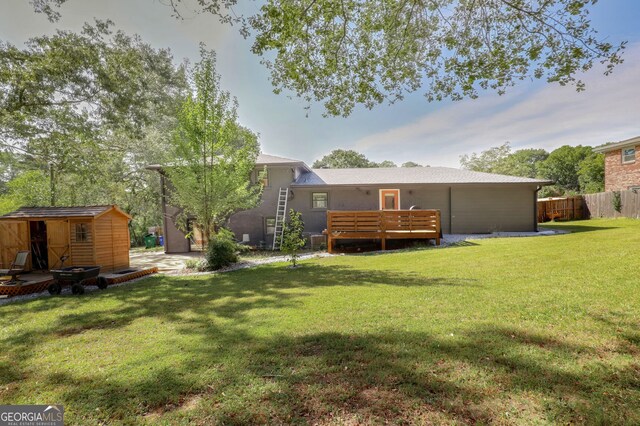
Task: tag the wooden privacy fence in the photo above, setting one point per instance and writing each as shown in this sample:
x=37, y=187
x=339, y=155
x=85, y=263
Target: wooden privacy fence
x=383, y=225
x=560, y=208
x=603, y=205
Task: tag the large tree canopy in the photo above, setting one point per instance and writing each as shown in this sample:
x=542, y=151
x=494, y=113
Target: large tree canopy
x=365, y=52
x=80, y=116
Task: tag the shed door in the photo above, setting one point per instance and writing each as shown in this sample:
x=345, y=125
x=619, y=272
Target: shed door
x=14, y=237
x=57, y=242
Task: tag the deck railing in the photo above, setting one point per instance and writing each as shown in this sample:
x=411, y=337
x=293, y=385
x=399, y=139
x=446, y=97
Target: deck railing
x=383, y=225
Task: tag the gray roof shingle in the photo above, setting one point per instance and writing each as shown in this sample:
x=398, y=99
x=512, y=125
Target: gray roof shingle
x=407, y=175
x=274, y=160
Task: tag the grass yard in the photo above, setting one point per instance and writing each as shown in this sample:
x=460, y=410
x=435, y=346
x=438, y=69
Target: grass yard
x=498, y=331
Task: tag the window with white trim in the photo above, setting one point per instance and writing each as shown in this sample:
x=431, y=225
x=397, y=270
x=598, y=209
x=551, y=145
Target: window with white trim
x=270, y=225
x=628, y=155
x=319, y=200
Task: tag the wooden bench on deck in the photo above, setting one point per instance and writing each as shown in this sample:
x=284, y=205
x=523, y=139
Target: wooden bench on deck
x=383, y=225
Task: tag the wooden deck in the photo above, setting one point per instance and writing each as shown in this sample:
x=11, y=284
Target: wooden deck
x=383, y=225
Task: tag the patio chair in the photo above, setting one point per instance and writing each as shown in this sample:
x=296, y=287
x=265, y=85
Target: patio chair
x=17, y=266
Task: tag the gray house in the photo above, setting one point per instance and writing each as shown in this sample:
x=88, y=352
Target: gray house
x=469, y=202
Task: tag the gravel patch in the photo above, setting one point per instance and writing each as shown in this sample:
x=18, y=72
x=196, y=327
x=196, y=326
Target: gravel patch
x=253, y=263
x=451, y=239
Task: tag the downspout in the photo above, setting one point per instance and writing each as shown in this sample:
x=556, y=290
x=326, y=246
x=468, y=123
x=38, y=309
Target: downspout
x=535, y=208
x=164, y=212
x=450, y=213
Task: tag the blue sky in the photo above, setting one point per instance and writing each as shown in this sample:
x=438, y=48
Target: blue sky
x=533, y=114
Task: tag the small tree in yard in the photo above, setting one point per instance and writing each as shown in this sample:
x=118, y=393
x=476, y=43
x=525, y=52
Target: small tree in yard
x=292, y=239
x=213, y=155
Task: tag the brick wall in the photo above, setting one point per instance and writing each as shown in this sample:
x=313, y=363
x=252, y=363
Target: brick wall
x=618, y=176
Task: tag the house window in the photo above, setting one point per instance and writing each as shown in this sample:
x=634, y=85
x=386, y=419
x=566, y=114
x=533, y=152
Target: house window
x=82, y=232
x=319, y=200
x=270, y=225
x=629, y=155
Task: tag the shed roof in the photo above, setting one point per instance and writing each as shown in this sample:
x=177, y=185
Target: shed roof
x=407, y=175
x=61, y=212
x=627, y=143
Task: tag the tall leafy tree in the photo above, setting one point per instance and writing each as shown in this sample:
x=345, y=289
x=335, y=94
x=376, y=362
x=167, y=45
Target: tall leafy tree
x=500, y=159
x=563, y=166
x=213, y=156
x=343, y=159
x=88, y=110
x=591, y=174
x=365, y=52
x=487, y=161
x=386, y=163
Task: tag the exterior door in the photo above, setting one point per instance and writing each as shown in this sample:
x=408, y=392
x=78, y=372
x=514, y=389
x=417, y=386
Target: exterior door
x=389, y=199
x=57, y=242
x=14, y=237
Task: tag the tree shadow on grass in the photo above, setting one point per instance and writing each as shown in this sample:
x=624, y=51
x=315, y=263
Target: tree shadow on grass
x=575, y=227
x=486, y=374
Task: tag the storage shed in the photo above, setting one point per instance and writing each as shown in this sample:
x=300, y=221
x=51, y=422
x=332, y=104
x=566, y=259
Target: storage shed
x=94, y=235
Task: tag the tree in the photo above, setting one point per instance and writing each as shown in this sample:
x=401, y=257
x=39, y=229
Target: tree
x=411, y=164
x=365, y=52
x=591, y=174
x=343, y=159
x=563, y=165
x=523, y=162
x=27, y=189
x=292, y=236
x=213, y=156
x=386, y=163
x=487, y=161
x=88, y=111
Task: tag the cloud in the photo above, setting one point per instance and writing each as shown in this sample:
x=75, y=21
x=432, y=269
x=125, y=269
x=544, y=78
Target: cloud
x=548, y=117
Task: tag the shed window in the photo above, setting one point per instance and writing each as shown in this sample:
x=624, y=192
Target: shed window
x=82, y=232
x=629, y=155
x=319, y=200
x=270, y=225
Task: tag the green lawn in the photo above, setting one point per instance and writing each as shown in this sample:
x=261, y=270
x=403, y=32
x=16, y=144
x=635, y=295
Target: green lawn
x=504, y=331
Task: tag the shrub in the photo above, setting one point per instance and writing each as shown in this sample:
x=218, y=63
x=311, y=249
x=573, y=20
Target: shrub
x=616, y=201
x=292, y=239
x=199, y=264
x=222, y=250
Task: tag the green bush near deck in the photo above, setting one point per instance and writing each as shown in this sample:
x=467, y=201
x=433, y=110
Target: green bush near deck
x=498, y=331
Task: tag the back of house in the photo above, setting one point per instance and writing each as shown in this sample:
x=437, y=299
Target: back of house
x=469, y=202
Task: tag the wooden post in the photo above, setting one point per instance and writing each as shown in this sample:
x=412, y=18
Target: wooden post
x=384, y=243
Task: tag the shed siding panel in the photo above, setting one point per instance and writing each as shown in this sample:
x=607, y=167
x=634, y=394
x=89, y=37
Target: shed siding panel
x=14, y=237
x=82, y=252
x=104, y=246
x=121, y=242
x=485, y=209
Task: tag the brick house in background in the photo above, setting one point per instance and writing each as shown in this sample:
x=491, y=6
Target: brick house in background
x=621, y=164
